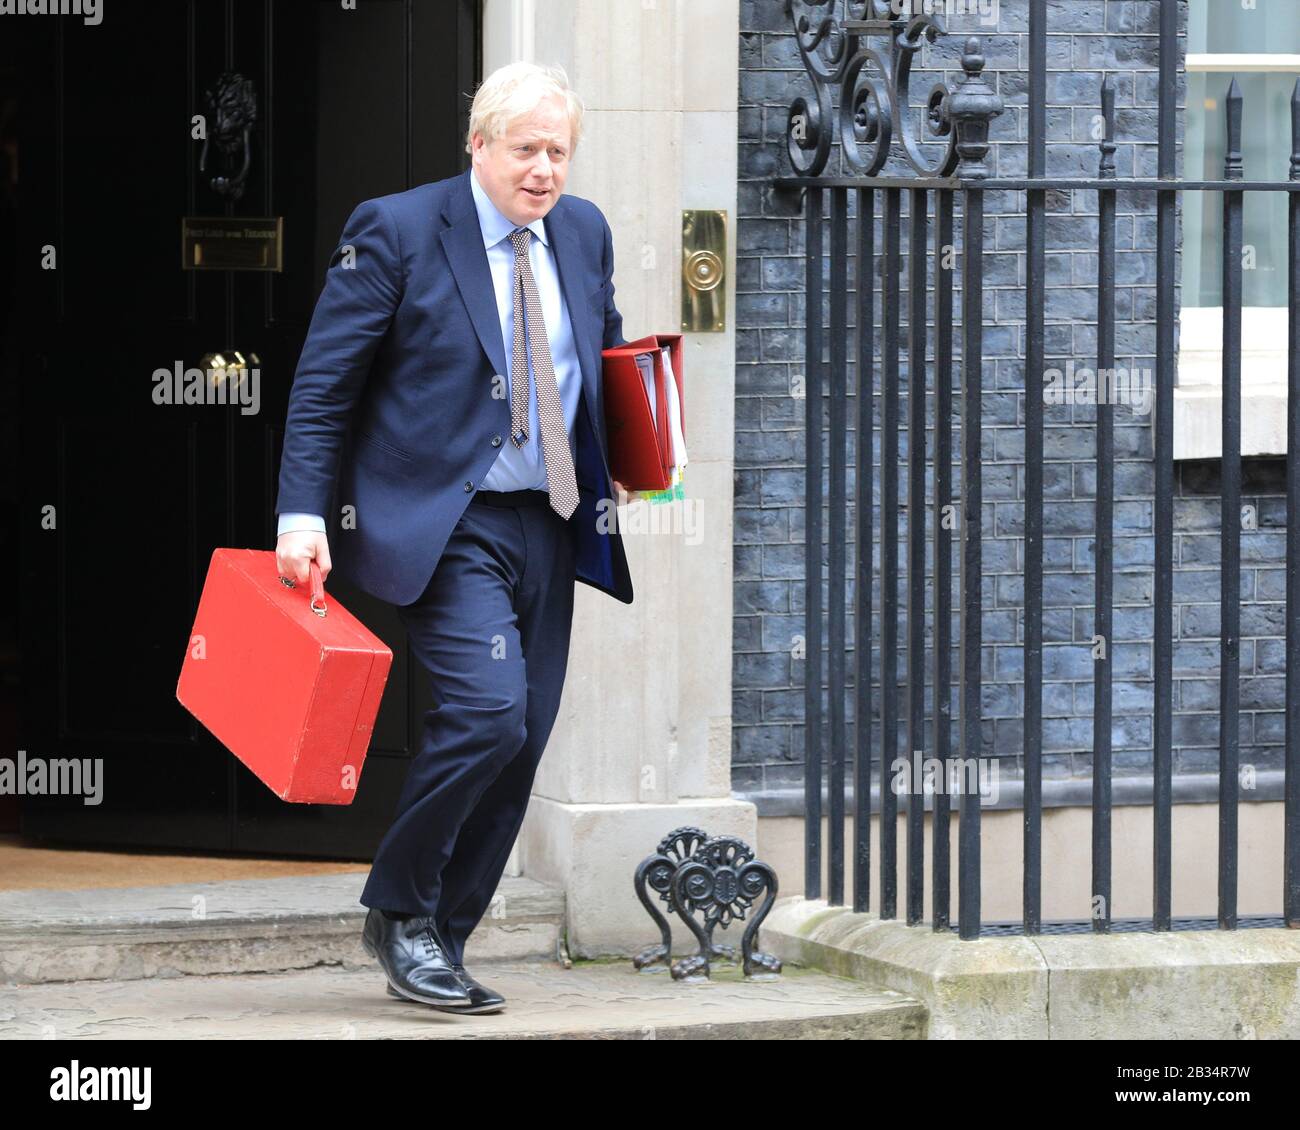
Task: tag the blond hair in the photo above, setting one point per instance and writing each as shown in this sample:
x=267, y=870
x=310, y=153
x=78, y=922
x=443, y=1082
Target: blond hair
x=516, y=89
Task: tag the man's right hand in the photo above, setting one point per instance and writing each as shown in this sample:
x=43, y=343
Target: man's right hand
x=295, y=548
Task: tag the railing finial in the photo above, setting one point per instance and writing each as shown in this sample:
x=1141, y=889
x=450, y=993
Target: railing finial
x=1233, y=167
x=1295, y=131
x=1106, y=167
x=971, y=107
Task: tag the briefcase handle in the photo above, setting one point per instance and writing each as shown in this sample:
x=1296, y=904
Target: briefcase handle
x=317, y=587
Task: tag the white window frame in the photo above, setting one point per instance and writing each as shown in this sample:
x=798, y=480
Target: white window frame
x=1198, y=393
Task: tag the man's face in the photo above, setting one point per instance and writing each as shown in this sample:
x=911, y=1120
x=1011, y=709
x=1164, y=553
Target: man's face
x=524, y=170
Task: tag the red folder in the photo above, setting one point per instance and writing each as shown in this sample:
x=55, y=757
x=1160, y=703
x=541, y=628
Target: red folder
x=640, y=441
x=290, y=683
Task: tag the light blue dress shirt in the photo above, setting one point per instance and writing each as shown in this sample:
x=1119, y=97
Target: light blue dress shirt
x=515, y=468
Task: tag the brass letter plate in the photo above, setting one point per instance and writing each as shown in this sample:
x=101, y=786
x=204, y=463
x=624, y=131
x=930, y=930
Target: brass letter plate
x=704, y=268
x=232, y=243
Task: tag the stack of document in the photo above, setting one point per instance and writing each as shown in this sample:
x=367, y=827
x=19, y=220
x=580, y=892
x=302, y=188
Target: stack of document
x=676, y=434
x=644, y=391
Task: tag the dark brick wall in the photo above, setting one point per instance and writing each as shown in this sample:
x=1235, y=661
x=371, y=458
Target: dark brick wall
x=1088, y=38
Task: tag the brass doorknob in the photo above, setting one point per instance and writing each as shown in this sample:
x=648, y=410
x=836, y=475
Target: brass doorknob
x=229, y=366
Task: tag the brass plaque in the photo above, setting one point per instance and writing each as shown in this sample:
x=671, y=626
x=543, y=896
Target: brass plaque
x=232, y=243
x=704, y=268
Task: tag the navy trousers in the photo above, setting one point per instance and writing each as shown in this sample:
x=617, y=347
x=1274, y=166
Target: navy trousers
x=492, y=630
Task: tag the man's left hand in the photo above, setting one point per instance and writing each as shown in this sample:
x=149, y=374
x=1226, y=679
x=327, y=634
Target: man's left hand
x=620, y=491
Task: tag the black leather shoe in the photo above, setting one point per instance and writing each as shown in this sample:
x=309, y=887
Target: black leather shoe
x=413, y=959
x=481, y=998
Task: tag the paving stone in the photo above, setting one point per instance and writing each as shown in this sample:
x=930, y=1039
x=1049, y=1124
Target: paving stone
x=234, y=926
x=590, y=1000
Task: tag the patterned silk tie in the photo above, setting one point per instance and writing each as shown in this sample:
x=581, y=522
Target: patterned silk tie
x=560, y=478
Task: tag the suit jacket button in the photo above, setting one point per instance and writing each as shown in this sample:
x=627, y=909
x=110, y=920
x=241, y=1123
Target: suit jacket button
x=469, y=486
x=496, y=441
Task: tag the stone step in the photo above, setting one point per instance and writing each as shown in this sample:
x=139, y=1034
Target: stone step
x=237, y=926
x=599, y=1000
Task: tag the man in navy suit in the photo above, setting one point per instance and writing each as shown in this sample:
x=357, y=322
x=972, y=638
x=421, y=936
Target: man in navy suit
x=451, y=383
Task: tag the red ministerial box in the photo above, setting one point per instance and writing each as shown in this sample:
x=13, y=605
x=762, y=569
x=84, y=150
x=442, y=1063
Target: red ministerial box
x=640, y=450
x=291, y=692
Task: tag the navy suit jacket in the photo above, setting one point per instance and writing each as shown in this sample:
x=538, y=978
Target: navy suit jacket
x=392, y=422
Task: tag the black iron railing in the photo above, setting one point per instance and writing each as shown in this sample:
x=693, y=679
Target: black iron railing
x=866, y=58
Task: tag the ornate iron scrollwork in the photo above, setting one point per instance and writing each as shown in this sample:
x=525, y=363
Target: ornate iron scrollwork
x=716, y=877
x=656, y=873
x=874, y=92
x=232, y=110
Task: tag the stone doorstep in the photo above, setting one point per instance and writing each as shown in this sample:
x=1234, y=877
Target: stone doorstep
x=1196, y=984
x=241, y=926
x=596, y=1000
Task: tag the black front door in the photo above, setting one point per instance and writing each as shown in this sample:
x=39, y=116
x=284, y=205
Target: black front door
x=123, y=498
